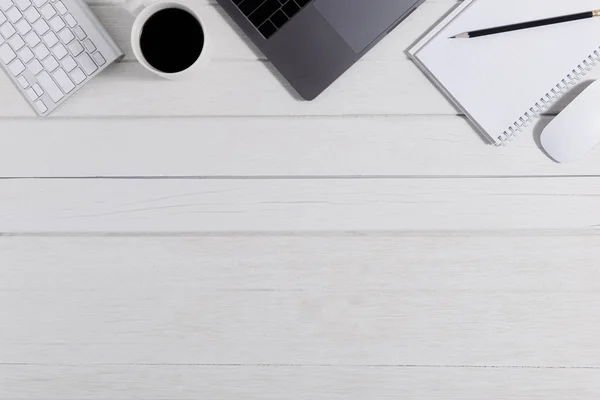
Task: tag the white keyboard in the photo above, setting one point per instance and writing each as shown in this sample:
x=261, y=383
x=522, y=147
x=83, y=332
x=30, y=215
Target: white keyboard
x=50, y=48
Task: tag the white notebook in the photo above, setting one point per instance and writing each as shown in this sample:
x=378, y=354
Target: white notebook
x=503, y=82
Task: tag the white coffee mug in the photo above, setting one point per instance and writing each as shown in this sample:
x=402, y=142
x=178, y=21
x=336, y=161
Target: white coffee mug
x=142, y=13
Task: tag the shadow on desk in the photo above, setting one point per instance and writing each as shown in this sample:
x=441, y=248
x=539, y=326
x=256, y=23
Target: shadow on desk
x=556, y=109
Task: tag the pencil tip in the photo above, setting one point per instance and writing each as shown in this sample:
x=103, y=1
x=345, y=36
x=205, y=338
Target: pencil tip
x=452, y=37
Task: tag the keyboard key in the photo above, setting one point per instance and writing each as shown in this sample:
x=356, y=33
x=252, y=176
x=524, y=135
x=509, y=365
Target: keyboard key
x=66, y=35
x=60, y=7
x=16, y=67
x=86, y=63
x=249, y=6
x=31, y=94
x=77, y=75
x=267, y=29
x=59, y=51
x=266, y=9
x=290, y=8
x=80, y=33
x=35, y=67
x=50, y=87
x=7, y=30
x=37, y=89
x=89, y=46
x=13, y=14
x=50, y=39
x=70, y=20
x=41, y=27
x=25, y=54
x=279, y=19
x=41, y=51
x=23, y=82
x=23, y=4
x=39, y=104
x=23, y=26
x=39, y=3
x=5, y=4
x=6, y=53
x=16, y=42
x=57, y=23
x=75, y=48
x=68, y=63
x=47, y=11
x=32, y=39
x=50, y=63
x=31, y=14
x=61, y=77
x=98, y=58
x=2, y=18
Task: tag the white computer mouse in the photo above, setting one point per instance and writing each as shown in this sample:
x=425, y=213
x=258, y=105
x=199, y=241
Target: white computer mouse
x=576, y=130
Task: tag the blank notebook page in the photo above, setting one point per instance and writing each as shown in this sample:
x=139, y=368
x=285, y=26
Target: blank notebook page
x=497, y=79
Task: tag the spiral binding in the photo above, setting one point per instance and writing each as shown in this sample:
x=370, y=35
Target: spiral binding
x=546, y=101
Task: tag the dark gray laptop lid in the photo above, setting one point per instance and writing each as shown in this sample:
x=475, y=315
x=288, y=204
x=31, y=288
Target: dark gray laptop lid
x=360, y=22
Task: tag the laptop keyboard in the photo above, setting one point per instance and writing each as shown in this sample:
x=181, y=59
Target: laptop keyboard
x=268, y=16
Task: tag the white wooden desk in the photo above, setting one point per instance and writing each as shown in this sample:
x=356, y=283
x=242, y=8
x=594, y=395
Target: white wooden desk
x=219, y=239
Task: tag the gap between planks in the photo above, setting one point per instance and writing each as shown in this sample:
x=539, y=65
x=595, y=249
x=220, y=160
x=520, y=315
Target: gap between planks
x=285, y=365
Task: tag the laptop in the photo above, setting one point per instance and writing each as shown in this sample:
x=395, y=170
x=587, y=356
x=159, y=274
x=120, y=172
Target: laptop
x=313, y=42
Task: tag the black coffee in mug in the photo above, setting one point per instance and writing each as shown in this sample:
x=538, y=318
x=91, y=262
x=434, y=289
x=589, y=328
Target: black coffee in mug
x=172, y=39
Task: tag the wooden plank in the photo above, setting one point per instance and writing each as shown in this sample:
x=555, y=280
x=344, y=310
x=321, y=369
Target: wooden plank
x=341, y=263
x=274, y=383
x=239, y=147
x=434, y=299
x=276, y=205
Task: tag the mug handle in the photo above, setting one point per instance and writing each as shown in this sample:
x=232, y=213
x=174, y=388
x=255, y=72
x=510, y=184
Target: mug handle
x=134, y=7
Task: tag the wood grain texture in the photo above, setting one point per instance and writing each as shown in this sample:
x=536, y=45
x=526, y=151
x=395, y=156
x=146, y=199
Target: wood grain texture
x=383, y=315
x=408, y=146
x=283, y=205
x=318, y=383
